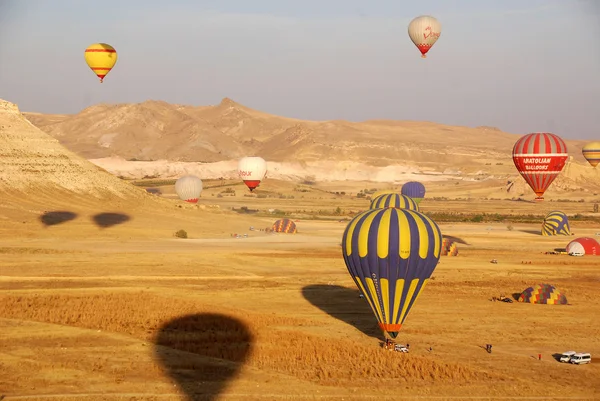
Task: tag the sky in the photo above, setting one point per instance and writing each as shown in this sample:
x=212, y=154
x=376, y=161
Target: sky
x=521, y=66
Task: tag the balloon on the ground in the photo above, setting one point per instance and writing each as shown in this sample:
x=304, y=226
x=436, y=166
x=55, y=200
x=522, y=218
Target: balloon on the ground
x=449, y=247
x=394, y=200
x=543, y=294
x=585, y=246
x=101, y=58
x=591, y=152
x=252, y=170
x=424, y=31
x=556, y=223
x=414, y=189
x=540, y=157
x=189, y=188
x=390, y=254
x=285, y=226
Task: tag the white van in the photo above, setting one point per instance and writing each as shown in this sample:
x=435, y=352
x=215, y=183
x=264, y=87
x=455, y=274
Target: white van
x=566, y=356
x=581, y=358
x=576, y=253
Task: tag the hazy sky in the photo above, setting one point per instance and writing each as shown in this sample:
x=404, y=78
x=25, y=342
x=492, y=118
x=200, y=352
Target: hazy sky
x=522, y=66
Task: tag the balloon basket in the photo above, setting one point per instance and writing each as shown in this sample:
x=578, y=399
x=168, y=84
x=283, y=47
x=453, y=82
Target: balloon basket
x=539, y=199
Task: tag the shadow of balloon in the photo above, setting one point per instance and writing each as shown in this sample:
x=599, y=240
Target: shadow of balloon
x=105, y=220
x=57, y=217
x=344, y=304
x=534, y=232
x=203, y=352
x=455, y=239
x=154, y=191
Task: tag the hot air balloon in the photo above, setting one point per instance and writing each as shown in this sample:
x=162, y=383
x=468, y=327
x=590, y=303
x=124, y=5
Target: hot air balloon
x=391, y=253
x=101, y=58
x=252, y=170
x=539, y=158
x=584, y=246
x=188, y=188
x=415, y=190
x=591, y=152
x=424, y=31
x=394, y=200
x=556, y=223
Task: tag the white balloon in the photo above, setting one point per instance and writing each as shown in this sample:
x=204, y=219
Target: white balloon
x=424, y=31
x=252, y=170
x=188, y=188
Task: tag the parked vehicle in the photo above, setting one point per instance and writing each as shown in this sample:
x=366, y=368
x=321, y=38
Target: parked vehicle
x=566, y=356
x=581, y=358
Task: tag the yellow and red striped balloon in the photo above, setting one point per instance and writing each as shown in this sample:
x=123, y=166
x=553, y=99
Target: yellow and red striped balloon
x=101, y=58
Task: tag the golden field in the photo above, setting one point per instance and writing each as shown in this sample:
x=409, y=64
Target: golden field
x=123, y=310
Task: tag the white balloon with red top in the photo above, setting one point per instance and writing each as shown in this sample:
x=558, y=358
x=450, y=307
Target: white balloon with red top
x=252, y=171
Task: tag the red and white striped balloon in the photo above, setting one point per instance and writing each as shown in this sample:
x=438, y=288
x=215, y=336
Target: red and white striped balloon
x=539, y=158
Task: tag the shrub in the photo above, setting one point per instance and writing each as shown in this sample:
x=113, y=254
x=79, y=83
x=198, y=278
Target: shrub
x=181, y=234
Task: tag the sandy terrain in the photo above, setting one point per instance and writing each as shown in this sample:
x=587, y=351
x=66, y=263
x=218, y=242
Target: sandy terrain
x=99, y=301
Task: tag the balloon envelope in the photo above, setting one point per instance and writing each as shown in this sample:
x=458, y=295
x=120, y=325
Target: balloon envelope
x=415, y=190
x=585, y=245
x=394, y=200
x=188, y=188
x=252, y=170
x=424, y=31
x=540, y=157
x=556, y=223
x=101, y=58
x=391, y=253
x=591, y=152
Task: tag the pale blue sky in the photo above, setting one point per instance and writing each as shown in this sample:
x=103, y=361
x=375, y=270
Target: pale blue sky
x=522, y=66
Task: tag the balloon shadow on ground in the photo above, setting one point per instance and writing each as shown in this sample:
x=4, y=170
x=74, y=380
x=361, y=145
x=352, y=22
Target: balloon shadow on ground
x=203, y=352
x=534, y=232
x=344, y=304
x=57, y=217
x=105, y=220
x=154, y=191
x=455, y=239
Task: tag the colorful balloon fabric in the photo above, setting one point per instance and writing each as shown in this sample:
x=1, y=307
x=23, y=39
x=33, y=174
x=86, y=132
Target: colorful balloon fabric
x=540, y=157
x=101, y=58
x=285, y=226
x=591, y=152
x=543, y=294
x=394, y=200
x=584, y=245
x=556, y=223
x=390, y=254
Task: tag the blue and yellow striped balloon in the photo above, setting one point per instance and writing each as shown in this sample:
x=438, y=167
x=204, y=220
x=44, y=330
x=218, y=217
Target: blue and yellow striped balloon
x=394, y=200
x=556, y=223
x=391, y=253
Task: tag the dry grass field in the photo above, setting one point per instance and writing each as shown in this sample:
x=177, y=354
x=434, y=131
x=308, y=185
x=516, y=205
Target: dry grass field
x=116, y=308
